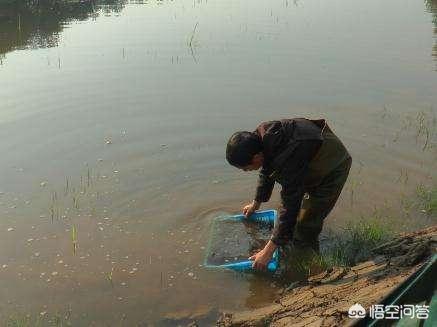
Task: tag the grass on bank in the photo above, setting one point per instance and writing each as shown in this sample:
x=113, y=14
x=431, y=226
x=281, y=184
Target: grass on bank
x=42, y=320
x=348, y=246
x=354, y=243
x=427, y=197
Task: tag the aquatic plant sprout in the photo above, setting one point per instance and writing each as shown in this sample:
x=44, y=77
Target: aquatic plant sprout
x=74, y=239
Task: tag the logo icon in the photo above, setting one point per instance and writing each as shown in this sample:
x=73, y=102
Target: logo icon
x=356, y=311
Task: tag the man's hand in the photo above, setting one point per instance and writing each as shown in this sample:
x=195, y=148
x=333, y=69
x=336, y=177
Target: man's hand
x=251, y=208
x=263, y=257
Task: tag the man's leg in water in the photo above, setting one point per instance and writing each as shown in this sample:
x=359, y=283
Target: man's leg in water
x=316, y=205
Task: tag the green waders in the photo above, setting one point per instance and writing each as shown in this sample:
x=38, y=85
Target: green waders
x=327, y=174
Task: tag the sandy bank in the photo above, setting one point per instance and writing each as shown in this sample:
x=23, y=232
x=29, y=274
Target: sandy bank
x=324, y=299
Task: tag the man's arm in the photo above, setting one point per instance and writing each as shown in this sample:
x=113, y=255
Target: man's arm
x=293, y=174
x=291, y=198
x=265, y=186
x=263, y=192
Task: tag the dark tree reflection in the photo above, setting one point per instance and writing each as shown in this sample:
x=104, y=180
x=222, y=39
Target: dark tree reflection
x=431, y=6
x=38, y=23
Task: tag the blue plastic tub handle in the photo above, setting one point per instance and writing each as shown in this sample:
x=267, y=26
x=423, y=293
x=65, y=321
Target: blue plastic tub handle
x=247, y=265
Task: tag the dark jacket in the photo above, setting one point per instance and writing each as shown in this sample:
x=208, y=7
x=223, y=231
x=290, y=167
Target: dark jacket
x=294, y=157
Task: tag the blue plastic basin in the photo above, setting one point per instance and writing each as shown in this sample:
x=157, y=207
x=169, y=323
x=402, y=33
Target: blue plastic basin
x=262, y=217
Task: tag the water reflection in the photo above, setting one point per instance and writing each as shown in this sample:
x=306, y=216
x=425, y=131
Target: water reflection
x=431, y=6
x=37, y=23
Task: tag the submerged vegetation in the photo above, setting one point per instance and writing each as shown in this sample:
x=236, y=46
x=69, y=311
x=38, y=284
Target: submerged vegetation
x=356, y=241
x=349, y=246
x=427, y=197
x=344, y=248
x=425, y=202
x=74, y=239
x=41, y=320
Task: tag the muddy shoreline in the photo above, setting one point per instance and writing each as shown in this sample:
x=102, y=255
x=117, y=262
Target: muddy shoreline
x=324, y=299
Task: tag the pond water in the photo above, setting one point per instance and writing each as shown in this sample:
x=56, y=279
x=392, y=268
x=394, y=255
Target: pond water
x=114, y=117
x=232, y=241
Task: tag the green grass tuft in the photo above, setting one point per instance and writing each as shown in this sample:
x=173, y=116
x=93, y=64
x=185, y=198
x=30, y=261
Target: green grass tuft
x=355, y=242
x=427, y=199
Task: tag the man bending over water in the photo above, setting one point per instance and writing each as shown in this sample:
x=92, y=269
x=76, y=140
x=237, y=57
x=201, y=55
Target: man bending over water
x=310, y=163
